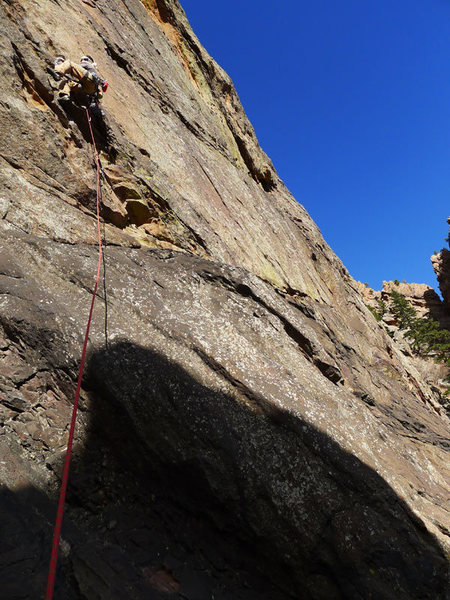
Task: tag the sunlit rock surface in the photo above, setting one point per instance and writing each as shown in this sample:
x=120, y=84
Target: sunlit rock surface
x=441, y=266
x=247, y=428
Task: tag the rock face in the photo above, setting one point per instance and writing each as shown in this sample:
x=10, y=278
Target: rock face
x=422, y=297
x=427, y=303
x=247, y=429
x=441, y=266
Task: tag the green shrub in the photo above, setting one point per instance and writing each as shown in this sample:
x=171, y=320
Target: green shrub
x=379, y=312
x=375, y=313
x=382, y=307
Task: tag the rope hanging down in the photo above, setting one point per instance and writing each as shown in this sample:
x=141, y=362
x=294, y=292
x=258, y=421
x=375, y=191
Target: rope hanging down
x=65, y=475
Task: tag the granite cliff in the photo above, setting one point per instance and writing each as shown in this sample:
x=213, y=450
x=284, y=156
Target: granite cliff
x=441, y=266
x=247, y=428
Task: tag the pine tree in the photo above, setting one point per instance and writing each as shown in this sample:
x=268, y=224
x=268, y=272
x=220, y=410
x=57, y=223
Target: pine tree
x=403, y=311
x=382, y=307
x=426, y=335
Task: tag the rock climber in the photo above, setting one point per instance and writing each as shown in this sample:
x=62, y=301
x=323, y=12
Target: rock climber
x=79, y=81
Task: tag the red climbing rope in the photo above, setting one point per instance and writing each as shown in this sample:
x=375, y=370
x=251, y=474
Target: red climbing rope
x=65, y=475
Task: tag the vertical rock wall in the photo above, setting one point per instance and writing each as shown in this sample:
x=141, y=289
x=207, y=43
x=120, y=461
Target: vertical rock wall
x=247, y=429
x=441, y=266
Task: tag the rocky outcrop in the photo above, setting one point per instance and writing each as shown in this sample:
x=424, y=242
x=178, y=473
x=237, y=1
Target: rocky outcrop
x=427, y=304
x=441, y=266
x=422, y=297
x=247, y=429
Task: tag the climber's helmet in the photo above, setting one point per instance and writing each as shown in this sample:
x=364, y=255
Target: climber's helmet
x=59, y=60
x=87, y=60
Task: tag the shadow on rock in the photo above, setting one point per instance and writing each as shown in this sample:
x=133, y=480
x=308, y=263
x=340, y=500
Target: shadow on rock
x=182, y=491
x=76, y=113
x=273, y=496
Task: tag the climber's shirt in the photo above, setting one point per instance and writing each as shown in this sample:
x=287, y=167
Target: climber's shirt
x=82, y=81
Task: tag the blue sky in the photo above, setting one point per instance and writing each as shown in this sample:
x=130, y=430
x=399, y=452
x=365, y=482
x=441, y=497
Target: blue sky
x=351, y=101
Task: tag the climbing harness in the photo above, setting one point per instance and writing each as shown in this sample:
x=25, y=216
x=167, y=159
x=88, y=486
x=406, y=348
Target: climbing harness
x=101, y=85
x=65, y=475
